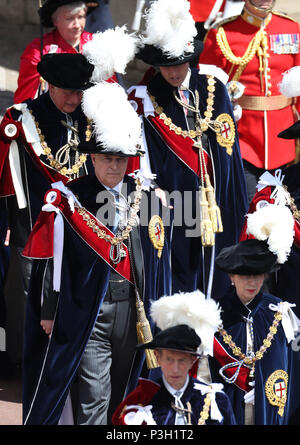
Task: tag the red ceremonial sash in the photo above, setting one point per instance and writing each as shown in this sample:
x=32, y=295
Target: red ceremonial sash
x=223, y=358
x=40, y=241
x=182, y=147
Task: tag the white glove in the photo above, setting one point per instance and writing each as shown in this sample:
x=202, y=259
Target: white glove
x=249, y=397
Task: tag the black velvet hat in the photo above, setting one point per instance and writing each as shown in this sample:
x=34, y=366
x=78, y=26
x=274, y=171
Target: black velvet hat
x=51, y=6
x=153, y=55
x=249, y=257
x=292, y=132
x=180, y=338
x=67, y=71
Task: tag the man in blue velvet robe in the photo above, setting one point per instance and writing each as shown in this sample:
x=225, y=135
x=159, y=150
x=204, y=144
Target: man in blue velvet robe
x=189, y=130
x=109, y=265
x=31, y=135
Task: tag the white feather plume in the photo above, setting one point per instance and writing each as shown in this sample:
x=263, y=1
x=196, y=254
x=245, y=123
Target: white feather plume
x=115, y=123
x=192, y=309
x=110, y=51
x=170, y=27
x=290, y=84
x=275, y=225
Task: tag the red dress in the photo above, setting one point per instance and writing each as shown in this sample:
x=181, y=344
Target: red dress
x=258, y=128
x=29, y=78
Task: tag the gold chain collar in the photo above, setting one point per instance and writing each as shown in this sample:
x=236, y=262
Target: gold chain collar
x=204, y=123
x=132, y=218
x=259, y=354
x=69, y=172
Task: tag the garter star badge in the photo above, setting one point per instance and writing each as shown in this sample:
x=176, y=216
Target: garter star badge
x=157, y=233
x=276, y=389
x=226, y=132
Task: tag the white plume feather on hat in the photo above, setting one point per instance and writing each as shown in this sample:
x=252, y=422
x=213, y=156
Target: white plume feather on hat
x=110, y=52
x=116, y=125
x=170, y=27
x=290, y=83
x=192, y=309
x=274, y=224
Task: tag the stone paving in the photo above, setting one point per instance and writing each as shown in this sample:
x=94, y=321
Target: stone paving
x=10, y=51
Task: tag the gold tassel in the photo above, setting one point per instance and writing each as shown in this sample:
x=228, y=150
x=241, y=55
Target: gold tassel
x=213, y=209
x=144, y=333
x=207, y=235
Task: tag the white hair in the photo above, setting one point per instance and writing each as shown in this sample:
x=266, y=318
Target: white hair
x=73, y=8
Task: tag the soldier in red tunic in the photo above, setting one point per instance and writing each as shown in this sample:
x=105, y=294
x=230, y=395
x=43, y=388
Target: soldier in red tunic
x=255, y=49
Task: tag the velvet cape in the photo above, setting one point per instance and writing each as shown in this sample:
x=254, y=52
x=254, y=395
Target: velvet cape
x=50, y=365
x=154, y=393
x=279, y=356
x=37, y=175
x=190, y=261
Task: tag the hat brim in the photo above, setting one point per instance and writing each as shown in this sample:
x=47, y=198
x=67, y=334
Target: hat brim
x=292, y=132
x=249, y=257
x=168, y=348
x=91, y=147
x=49, y=8
x=154, y=56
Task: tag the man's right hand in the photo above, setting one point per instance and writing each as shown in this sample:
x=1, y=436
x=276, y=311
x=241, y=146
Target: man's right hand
x=47, y=325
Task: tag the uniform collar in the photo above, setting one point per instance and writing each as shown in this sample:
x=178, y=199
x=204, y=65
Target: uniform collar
x=254, y=20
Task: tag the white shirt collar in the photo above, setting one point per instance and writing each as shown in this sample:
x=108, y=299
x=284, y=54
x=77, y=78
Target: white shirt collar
x=172, y=390
x=186, y=83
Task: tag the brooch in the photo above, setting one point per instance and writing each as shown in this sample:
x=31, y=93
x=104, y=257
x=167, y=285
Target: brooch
x=157, y=233
x=226, y=132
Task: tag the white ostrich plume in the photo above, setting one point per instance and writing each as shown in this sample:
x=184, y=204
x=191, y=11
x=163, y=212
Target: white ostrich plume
x=110, y=52
x=192, y=309
x=170, y=27
x=290, y=84
x=275, y=225
x=116, y=125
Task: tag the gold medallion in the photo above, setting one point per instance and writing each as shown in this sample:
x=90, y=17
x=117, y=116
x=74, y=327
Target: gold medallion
x=157, y=233
x=276, y=389
x=226, y=132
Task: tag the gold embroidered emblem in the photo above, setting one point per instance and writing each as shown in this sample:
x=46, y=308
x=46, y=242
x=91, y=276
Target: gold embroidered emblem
x=226, y=132
x=157, y=233
x=276, y=389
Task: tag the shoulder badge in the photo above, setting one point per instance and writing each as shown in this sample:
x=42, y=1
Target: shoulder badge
x=226, y=132
x=157, y=233
x=276, y=389
x=224, y=21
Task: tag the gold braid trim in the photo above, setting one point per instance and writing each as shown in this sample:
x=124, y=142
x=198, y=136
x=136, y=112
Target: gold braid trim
x=118, y=239
x=258, y=45
x=259, y=354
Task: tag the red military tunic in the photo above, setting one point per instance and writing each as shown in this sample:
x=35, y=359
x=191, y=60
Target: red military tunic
x=29, y=78
x=266, y=112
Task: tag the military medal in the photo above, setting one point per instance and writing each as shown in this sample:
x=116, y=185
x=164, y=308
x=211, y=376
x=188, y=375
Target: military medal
x=157, y=233
x=276, y=389
x=226, y=133
x=284, y=43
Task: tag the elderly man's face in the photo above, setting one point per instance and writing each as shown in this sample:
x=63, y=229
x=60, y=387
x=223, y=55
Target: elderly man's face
x=175, y=366
x=65, y=100
x=70, y=24
x=109, y=169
